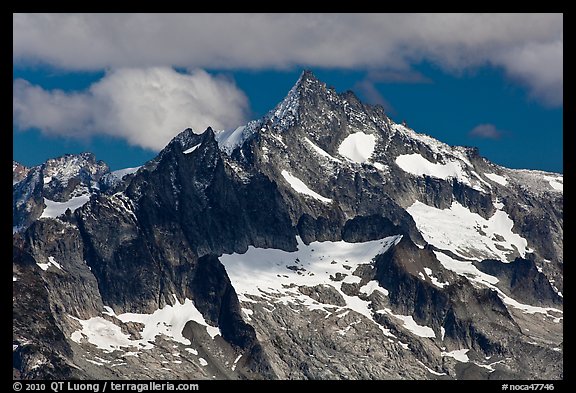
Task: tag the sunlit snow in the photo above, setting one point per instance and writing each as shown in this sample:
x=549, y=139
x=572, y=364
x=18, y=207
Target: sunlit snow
x=557, y=183
x=299, y=186
x=235, y=362
x=418, y=165
x=434, y=280
x=381, y=167
x=120, y=173
x=51, y=261
x=188, y=151
x=321, y=151
x=262, y=272
x=230, y=139
x=372, y=286
x=54, y=209
x=497, y=178
x=168, y=321
x=466, y=269
x=459, y=354
x=358, y=147
x=468, y=234
x=411, y=325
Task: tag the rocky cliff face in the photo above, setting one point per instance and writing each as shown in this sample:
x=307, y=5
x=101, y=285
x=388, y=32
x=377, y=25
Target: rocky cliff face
x=321, y=241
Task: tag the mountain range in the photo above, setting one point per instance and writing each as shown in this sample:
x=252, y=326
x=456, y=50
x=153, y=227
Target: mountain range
x=322, y=241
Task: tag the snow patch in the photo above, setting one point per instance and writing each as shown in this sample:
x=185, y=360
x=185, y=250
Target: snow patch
x=434, y=279
x=299, y=186
x=247, y=312
x=497, y=178
x=358, y=147
x=94, y=362
x=120, y=173
x=203, y=362
x=380, y=166
x=192, y=351
x=102, y=333
x=321, y=151
x=489, y=366
x=419, y=166
x=168, y=321
x=468, y=234
x=410, y=324
x=466, y=269
x=456, y=152
x=51, y=262
x=404, y=345
x=269, y=273
x=434, y=372
x=188, y=151
x=459, y=354
x=526, y=308
x=54, y=209
x=372, y=286
x=236, y=361
x=556, y=182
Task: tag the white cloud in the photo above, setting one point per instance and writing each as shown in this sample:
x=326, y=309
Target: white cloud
x=147, y=107
x=539, y=67
x=487, y=131
x=527, y=46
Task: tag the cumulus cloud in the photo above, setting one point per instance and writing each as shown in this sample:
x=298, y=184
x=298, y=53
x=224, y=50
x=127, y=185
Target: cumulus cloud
x=486, y=131
x=147, y=107
x=528, y=47
x=539, y=67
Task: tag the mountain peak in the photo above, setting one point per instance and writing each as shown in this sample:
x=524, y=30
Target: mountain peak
x=308, y=82
x=307, y=76
x=284, y=115
x=74, y=163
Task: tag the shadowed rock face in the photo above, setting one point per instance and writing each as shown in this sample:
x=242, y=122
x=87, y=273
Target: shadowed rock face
x=131, y=285
x=522, y=279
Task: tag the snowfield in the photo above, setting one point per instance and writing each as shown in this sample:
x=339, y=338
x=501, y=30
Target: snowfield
x=468, y=234
x=270, y=272
x=55, y=209
x=358, y=147
x=168, y=321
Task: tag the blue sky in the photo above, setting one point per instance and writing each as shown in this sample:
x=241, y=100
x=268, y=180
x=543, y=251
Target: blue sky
x=121, y=87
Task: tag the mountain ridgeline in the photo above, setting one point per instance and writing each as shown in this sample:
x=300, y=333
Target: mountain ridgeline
x=323, y=241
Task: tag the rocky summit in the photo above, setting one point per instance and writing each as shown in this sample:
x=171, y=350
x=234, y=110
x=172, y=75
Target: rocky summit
x=323, y=241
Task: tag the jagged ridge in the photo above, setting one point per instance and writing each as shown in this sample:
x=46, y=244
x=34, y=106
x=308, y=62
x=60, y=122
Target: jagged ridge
x=320, y=173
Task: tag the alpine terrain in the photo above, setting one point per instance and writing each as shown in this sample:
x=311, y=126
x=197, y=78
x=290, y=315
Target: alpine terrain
x=323, y=241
